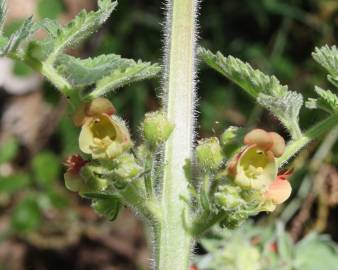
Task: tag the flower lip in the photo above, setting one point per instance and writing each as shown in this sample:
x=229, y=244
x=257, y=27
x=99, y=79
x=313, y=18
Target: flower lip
x=266, y=141
x=279, y=190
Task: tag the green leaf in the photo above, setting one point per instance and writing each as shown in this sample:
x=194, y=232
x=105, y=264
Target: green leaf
x=326, y=101
x=85, y=72
x=267, y=90
x=46, y=168
x=286, y=109
x=327, y=57
x=82, y=26
x=20, y=35
x=12, y=183
x=8, y=150
x=108, y=208
x=315, y=252
x=136, y=71
x=253, y=81
x=26, y=216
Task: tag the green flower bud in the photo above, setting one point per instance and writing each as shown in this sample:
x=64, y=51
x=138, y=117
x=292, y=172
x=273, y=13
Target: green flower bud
x=104, y=137
x=209, y=153
x=229, y=197
x=231, y=140
x=93, y=182
x=156, y=128
x=229, y=135
x=127, y=167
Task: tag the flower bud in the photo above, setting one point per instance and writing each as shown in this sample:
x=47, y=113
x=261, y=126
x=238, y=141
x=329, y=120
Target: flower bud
x=228, y=197
x=104, y=137
x=209, y=153
x=156, y=128
x=127, y=167
x=93, y=181
x=229, y=135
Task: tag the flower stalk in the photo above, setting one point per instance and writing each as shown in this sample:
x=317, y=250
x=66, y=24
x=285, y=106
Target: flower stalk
x=172, y=242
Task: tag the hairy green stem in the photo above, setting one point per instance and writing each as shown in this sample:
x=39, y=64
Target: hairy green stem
x=172, y=242
x=313, y=133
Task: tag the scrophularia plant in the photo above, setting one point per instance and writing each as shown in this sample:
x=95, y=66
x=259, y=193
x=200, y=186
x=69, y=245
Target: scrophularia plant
x=180, y=188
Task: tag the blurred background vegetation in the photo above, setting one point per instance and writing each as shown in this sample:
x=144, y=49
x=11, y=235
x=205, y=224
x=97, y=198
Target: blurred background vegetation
x=43, y=226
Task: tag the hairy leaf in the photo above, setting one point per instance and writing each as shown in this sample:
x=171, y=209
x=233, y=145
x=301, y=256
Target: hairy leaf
x=136, y=71
x=253, y=81
x=20, y=35
x=267, y=90
x=85, y=72
x=326, y=101
x=327, y=57
x=82, y=26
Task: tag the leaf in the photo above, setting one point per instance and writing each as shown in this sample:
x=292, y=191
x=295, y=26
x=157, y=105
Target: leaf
x=8, y=150
x=327, y=101
x=251, y=80
x=13, y=183
x=26, y=216
x=107, y=207
x=327, y=57
x=267, y=90
x=46, y=168
x=20, y=35
x=137, y=71
x=315, y=252
x=286, y=109
x=82, y=26
x=85, y=72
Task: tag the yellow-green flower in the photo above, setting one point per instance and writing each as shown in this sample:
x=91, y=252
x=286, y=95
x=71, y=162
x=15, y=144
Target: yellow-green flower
x=255, y=169
x=104, y=137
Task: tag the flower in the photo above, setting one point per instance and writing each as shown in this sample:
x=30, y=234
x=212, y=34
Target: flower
x=104, y=137
x=255, y=168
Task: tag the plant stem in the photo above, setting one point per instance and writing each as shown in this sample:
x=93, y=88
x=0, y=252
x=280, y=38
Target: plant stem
x=313, y=133
x=172, y=242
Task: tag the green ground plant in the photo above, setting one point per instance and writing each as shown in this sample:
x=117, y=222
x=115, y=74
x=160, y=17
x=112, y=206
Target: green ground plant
x=179, y=189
